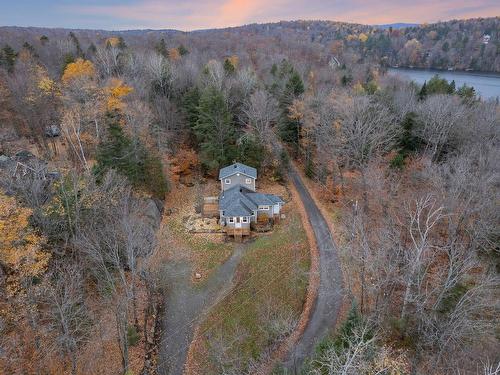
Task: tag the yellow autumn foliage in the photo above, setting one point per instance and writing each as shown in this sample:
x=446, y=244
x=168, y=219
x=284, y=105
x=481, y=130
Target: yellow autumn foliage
x=296, y=110
x=358, y=89
x=234, y=60
x=117, y=90
x=80, y=69
x=363, y=37
x=113, y=41
x=47, y=85
x=20, y=246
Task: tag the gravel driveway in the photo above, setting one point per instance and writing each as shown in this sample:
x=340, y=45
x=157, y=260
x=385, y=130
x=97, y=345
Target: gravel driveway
x=329, y=300
x=185, y=303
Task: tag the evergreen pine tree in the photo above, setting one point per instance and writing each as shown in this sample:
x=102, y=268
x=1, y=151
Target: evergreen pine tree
x=274, y=70
x=92, y=49
x=408, y=142
x=452, y=87
x=215, y=131
x=161, y=48
x=8, y=58
x=229, y=67
x=251, y=151
x=68, y=59
x=423, y=92
x=190, y=103
x=182, y=50
x=76, y=43
x=129, y=158
x=121, y=43
x=466, y=92
x=44, y=39
x=289, y=128
x=28, y=47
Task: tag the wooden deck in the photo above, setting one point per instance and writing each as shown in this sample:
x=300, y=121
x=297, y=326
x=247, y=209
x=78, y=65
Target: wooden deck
x=238, y=233
x=210, y=207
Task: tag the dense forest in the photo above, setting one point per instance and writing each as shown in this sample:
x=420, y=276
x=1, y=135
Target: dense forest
x=459, y=44
x=96, y=127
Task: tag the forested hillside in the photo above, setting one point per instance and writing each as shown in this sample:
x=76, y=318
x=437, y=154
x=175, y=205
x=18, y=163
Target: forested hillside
x=96, y=127
x=472, y=44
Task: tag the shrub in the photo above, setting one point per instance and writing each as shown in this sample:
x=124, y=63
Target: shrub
x=309, y=169
x=398, y=161
x=132, y=336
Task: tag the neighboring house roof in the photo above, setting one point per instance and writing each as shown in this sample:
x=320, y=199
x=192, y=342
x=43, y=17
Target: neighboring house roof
x=240, y=201
x=237, y=168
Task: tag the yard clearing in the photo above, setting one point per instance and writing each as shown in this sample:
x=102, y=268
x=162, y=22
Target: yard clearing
x=206, y=251
x=263, y=307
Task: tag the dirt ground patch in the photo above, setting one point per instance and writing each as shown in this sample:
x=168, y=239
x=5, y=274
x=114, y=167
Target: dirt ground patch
x=264, y=306
x=205, y=251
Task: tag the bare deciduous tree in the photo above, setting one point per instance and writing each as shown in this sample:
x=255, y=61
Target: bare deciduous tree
x=261, y=112
x=66, y=310
x=440, y=116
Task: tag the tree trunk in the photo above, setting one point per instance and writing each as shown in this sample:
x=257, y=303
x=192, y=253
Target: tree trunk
x=365, y=192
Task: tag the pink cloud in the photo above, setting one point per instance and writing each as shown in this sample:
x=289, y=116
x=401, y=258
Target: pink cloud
x=196, y=14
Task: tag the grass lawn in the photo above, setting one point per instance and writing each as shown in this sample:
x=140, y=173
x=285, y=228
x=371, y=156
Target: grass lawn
x=265, y=304
x=205, y=251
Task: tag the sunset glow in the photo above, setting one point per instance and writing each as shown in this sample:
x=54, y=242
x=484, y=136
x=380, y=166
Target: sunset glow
x=199, y=14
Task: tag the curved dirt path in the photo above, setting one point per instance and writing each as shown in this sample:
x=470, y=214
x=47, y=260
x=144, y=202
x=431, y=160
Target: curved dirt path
x=185, y=303
x=329, y=300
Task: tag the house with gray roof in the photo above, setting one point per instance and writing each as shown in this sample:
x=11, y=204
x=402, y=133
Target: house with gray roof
x=240, y=205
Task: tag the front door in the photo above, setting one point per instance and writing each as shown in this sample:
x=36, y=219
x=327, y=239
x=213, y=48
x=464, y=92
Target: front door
x=237, y=223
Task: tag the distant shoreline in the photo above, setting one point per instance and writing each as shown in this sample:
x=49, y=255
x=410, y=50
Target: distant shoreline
x=478, y=73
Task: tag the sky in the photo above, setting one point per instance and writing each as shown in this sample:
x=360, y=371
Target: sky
x=201, y=14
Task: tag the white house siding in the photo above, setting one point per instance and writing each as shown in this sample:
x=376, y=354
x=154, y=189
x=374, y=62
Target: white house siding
x=276, y=209
x=240, y=219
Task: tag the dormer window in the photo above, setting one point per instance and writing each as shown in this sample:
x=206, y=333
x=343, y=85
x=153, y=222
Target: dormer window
x=227, y=181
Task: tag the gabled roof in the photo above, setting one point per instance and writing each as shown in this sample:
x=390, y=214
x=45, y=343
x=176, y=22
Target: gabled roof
x=237, y=168
x=234, y=202
x=240, y=201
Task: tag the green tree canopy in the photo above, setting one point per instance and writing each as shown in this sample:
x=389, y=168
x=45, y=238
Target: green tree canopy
x=8, y=58
x=129, y=158
x=289, y=129
x=214, y=130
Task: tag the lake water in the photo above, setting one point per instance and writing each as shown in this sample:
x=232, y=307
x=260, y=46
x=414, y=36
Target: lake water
x=487, y=85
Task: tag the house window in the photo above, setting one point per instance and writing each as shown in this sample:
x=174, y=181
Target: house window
x=227, y=181
x=231, y=219
x=264, y=207
x=245, y=220
x=248, y=181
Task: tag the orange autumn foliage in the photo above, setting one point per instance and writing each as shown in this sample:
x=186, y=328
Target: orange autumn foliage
x=173, y=54
x=80, y=69
x=183, y=163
